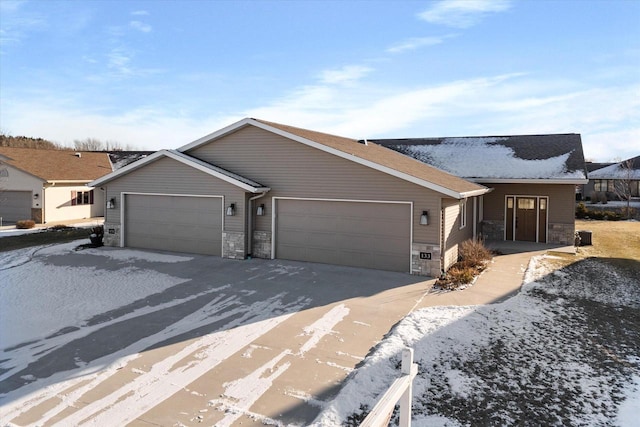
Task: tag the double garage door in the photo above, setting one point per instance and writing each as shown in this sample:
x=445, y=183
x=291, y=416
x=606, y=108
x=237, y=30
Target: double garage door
x=189, y=224
x=15, y=205
x=359, y=234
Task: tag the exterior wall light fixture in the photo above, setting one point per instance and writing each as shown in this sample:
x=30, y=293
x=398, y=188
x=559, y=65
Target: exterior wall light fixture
x=424, y=218
x=35, y=196
x=260, y=210
x=231, y=209
x=111, y=203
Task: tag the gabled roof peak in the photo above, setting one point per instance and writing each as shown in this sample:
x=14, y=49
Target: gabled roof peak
x=373, y=155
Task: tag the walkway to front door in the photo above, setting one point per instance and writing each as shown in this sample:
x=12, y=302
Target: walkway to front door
x=526, y=218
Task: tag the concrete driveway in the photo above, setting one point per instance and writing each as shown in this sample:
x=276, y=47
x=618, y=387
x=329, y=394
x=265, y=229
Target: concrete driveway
x=233, y=343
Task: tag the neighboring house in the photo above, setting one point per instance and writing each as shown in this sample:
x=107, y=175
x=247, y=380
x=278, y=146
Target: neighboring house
x=271, y=191
x=50, y=185
x=617, y=180
x=533, y=180
x=586, y=191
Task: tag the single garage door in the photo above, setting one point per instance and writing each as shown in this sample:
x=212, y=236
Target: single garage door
x=359, y=234
x=15, y=205
x=174, y=223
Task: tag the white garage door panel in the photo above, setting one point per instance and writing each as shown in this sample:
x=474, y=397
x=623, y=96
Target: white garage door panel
x=371, y=235
x=15, y=205
x=174, y=223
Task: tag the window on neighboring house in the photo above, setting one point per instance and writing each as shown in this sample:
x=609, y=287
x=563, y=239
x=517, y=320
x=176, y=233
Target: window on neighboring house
x=81, y=198
x=597, y=185
x=463, y=213
x=611, y=185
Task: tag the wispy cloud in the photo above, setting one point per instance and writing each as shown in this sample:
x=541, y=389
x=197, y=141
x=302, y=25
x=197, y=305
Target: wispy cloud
x=119, y=60
x=15, y=25
x=140, y=26
x=417, y=42
x=140, y=13
x=462, y=13
x=346, y=74
x=501, y=104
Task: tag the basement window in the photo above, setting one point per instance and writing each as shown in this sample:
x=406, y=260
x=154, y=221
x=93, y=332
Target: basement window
x=81, y=198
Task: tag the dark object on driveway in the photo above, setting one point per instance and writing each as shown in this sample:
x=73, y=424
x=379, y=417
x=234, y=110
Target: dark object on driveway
x=97, y=233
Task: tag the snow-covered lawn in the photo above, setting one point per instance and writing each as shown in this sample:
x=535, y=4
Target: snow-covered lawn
x=564, y=351
x=79, y=294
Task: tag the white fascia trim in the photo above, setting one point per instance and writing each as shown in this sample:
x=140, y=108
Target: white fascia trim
x=217, y=134
x=249, y=121
x=69, y=181
x=166, y=153
x=356, y=159
x=125, y=170
x=475, y=193
x=215, y=173
x=575, y=181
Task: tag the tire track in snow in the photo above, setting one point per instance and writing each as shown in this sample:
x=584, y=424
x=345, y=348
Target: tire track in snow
x=96, y=372
x=166, y=377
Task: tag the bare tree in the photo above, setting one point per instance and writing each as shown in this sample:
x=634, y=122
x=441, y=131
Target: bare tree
x=88, y=144
x=623, y=184
x=94, y=144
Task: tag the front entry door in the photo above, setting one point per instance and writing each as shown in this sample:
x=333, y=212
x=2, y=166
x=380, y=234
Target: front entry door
x=526, y=218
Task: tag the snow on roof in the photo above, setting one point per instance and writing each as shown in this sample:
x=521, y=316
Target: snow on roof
x=499, y=157
x=120, y=159
x=627, y=169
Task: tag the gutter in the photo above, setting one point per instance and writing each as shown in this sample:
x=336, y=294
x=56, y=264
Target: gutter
x=475, y=193
x=68, y=181
x=576, y=181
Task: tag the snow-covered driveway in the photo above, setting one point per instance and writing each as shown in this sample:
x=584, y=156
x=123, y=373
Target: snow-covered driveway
x=115, y=336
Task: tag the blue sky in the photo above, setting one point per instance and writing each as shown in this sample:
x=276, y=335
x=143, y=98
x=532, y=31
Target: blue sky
x=159, y=74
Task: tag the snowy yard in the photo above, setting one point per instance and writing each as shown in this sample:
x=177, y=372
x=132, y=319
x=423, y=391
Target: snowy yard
x=117, y=335
x=564, y=351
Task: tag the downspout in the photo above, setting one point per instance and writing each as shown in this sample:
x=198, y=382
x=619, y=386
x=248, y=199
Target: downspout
x=475, y=218
x=443, y=248
x=44, y=199
x=250, y=225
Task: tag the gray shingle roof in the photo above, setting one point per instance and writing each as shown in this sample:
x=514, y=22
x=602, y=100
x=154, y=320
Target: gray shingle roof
x=539, y=157
x=626, y=169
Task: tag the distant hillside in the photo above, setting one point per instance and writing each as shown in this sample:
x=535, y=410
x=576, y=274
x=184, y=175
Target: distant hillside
x=27, y=142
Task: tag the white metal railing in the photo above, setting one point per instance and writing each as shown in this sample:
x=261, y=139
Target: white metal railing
x=400, y=390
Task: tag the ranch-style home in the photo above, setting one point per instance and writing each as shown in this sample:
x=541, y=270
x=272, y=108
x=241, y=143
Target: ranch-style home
x=268, y=190
x=50, y=185
x=616, y=181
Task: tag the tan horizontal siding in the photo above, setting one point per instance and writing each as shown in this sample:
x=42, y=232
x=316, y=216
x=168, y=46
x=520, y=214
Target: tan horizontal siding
x=561, y=200
x=169, y=176
x=293, y=169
